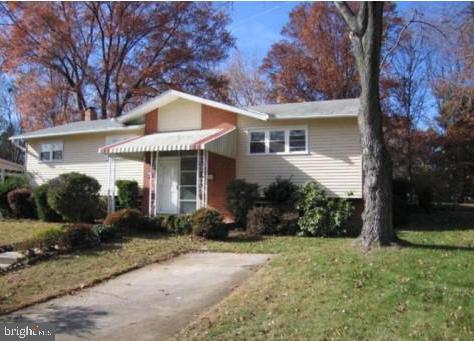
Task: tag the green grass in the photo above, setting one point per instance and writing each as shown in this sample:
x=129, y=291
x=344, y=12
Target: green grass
x=314, y=288
x=13, y=231
x=328, y=289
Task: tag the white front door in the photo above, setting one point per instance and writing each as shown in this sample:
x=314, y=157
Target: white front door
x=168, y=185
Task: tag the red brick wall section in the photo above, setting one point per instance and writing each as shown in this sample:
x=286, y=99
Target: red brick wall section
x=151, y=127
x=212, y=117
x=223, y=170
x=151, y=122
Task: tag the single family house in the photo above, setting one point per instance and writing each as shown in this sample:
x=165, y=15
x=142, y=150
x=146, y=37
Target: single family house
x=183, y=150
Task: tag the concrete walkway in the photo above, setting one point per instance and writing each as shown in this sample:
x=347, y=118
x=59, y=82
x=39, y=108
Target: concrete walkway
x=151, y=303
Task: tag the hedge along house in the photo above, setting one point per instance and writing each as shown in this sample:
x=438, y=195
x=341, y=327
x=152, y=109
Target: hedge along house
x=183, y=150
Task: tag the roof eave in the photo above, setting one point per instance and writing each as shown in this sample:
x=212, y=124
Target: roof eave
x=172, y=95
x=127, y=128
x=276, y=118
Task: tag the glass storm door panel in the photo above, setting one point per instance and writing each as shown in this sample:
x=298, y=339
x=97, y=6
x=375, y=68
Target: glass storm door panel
x=168, y=185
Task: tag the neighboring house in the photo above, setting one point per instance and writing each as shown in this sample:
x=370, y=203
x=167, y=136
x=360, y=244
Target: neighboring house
x=183, y=150
x=8, y=168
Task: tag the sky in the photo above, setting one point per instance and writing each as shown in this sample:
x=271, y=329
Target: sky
x=257, y=25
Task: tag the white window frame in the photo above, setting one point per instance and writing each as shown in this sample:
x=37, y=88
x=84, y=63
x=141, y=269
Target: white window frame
x=51, y=145
x=286, y=130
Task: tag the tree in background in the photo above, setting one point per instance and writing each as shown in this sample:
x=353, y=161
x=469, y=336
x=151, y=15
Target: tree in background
x=314, y=61
x=246, y=87
x=9, y=121
x=111, y=55
x=406, y=104
x=366, y=26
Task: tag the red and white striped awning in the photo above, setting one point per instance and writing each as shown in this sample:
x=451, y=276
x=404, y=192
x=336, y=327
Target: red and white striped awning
x=174, y=141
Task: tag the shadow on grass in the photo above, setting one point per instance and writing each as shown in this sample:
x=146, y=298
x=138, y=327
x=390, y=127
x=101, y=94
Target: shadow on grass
x=70, y=320
x=406, y=243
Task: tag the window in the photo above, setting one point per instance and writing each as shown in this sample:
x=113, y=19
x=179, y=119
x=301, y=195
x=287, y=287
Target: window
x=187, y=188
x=278, y=141
x=257, y=142
x=297, y=140
x=51, y=152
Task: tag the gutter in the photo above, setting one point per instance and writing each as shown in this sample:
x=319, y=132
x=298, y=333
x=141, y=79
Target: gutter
x=22, y=137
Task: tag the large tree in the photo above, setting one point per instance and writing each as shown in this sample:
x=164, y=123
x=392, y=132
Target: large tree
x=314, y=61
x=366, y=30
x=112, y=55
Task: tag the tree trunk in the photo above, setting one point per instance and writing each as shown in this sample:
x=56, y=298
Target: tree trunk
x=366, y=37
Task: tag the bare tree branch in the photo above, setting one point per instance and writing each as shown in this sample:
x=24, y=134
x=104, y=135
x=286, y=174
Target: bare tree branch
x=412, y=21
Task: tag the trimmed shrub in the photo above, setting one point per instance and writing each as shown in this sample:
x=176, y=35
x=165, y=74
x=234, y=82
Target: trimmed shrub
x=48, y=238
x=21, y=203
x=74, y=196
x=168, y=222
x=128, y=193
x=182, y=224
x=241, y=197
x=288, y=224
x=45, y=212
x=320, y=215
x=282, y=194
x=126, y=219
x=10, y=184
x=262, y=220
x=105, y=232
x=208, y=223
x=81, y=236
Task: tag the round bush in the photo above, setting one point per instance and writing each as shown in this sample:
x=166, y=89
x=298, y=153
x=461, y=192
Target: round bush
x=81, y=236
x=74, y=196
x=128, y=193
x=282, y=194
x=7, y=186
x=21, y=203
x=241, y=197
x=320, y=215
x=126, y=219
x=45, y=212
x=262, y=220
x=208, y=223
x=105, y=232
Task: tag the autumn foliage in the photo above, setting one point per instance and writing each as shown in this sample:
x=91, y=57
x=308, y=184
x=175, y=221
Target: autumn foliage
x=68, y=56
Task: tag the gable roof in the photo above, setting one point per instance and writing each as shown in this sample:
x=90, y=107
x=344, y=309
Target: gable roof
x=172, y=95
x=79, y=127
x=318, y=109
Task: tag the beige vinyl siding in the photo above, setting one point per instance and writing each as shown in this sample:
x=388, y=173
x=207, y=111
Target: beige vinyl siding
x=334, y=158
x=80, y=155
x=180, y=115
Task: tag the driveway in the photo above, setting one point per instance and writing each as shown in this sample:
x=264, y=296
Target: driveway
x=151, y=303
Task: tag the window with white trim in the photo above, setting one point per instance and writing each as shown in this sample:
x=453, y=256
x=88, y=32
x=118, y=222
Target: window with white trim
x=51, y=151
x=282, y=140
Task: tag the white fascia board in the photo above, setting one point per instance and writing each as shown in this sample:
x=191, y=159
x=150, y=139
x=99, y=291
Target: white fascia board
x=172, y=95
x=273, y=118
x=129, y=128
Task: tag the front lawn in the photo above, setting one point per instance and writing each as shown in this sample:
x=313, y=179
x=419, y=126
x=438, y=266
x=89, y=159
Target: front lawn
x=314, y=288
x=322, y=289
x=13, y=231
